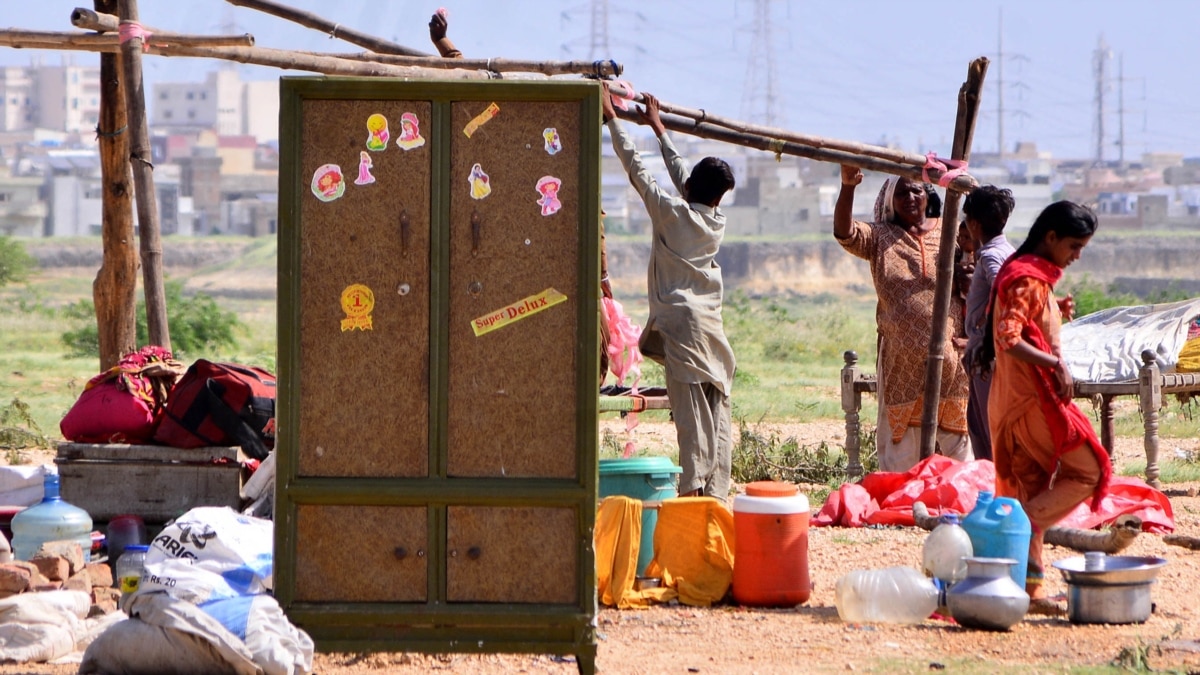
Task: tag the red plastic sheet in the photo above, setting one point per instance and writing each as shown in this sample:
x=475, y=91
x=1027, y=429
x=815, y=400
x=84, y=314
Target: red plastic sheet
x=946, y=485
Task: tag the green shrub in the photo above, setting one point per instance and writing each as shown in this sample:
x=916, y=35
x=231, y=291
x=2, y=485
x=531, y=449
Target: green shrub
x=197, y=324
x=1091, y=296
x=18, y=431
x=15, y=263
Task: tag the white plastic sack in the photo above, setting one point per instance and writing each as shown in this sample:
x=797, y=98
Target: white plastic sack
x=165, y=636
x=23, y=485
x=42, y=626
x=235, y=551
x=1106, y=346
x=278, y=647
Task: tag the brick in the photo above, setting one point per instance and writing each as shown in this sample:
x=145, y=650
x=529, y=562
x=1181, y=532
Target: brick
x=101, y=574
x=14, y=578
x=101, y=594
x=80, y=581
x=47, y=586
x=54, y=568
x=70, y=550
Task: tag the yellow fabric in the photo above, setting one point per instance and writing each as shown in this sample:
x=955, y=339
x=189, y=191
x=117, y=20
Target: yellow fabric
x=1189, y=357
x=617, y=540
x=693, y=550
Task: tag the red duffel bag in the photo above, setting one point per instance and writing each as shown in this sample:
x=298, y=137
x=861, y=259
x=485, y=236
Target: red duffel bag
x=216, y=404
x=120, y=405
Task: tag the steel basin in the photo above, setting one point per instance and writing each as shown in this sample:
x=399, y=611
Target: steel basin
x=1114, y=589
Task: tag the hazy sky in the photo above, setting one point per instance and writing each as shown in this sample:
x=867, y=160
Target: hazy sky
x=867, y=70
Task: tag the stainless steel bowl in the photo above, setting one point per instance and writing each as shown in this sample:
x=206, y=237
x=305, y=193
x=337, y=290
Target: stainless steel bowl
x=1112, y=589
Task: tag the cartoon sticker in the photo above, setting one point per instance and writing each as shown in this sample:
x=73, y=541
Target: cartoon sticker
x=547, y=187
x=481, y=184
x=553, y=142
x=410, y=132
x=377, y=128
x=364, y=169
x=357, y=303
x=520, y=309
x=328, y=183
x=480, y=119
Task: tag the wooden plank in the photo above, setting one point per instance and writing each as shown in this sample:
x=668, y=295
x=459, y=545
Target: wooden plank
x=114, y=452
x=156, y=491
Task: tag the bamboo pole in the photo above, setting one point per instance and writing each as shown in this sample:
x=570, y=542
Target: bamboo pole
x=863, y=149
x=964, y=135
x=101, y=22
x=143, y=184
x=335, y=30
x=497, y=65
x=114, y=291
x=962, y=183
x=262, y=56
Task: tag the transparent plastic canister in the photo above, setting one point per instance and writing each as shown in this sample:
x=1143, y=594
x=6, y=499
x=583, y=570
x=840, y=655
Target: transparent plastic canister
x=130, y=566
x=944, y=554
x=890, y=595
x=52, y=519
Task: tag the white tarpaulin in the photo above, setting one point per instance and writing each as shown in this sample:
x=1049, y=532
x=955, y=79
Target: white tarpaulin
x=1106, y=346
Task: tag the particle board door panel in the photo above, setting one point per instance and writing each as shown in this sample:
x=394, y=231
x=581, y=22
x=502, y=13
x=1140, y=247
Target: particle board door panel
x=378, y=236
x=362, y=554
x=512, y=554
x=512, y=408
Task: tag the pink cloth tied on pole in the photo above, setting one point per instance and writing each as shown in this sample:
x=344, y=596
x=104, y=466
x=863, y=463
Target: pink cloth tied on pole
x=624, y=357
x=950, y=168
x=622, y=99
x=129, y=30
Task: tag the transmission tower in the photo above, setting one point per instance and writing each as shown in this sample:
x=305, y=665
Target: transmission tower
x=599, y=43
x=1100, y=58
x=760, y=96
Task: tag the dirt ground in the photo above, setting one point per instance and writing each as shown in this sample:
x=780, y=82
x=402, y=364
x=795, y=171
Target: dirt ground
x=727, y=639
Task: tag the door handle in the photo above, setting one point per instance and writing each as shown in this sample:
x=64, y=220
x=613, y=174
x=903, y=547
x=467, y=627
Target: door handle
x=405, y=233
x=476, y=232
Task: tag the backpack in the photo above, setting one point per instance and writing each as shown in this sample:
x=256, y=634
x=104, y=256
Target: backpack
x=122, y=404
x=217, y=404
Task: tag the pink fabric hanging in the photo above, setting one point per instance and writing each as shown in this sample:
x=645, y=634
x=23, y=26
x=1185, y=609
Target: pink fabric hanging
x=624, y=357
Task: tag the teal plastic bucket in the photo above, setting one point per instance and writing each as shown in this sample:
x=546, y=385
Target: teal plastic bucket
x=644, y=478
x=999, y=528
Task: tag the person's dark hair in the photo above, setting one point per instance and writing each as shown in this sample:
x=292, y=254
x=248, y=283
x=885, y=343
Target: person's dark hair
x=990, y=206
x=1065, y=219
x=710, y=180
x=933, y=203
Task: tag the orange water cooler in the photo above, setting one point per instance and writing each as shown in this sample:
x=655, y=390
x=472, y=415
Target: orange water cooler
x=770, y=567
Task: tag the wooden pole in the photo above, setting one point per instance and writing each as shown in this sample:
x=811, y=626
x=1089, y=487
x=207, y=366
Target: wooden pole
x=103, y=22
x=114, y=290
x=962, y=183
x=275, y=58
x=496, y=65
x=335, y=30
x=964, y=135
x=915, y=160
x=143, y=183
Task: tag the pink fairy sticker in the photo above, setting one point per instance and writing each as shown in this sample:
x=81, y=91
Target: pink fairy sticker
x=410, y=132
x=328, y=183
x=481, y=184
x=364, y=169
x=377, y=128
x=547, y=187
x=553, y=142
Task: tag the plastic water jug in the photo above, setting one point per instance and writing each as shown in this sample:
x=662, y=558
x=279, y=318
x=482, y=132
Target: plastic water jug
x=943, y=556
x=891, y=595
x=999, y=528
x=771, y=526
x=51, y=520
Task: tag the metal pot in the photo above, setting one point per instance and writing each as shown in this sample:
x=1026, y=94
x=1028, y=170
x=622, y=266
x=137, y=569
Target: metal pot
x=988, y=598
x=1109, y=589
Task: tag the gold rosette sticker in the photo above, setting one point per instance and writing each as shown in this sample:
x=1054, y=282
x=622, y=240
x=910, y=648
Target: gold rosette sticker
x=357, y=303
x=520, y=309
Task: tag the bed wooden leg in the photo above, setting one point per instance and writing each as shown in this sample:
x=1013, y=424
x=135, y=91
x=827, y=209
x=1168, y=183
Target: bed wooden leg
x=1150, y=396
x=851, y=404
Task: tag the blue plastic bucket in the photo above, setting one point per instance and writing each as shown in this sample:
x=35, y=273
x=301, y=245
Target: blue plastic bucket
x=644, y=478
x=999, y=528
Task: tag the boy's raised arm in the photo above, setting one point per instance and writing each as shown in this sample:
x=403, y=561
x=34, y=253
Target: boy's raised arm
x=677, y=166
x=647, y=188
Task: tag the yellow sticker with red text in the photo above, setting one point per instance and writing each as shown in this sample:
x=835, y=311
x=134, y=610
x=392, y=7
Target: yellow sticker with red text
x=357, y=303
x=520, y=309
x=481, y=119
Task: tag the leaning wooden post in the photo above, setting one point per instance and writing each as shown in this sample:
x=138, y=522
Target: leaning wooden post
x=114, y=291
x=964, y=134
x=143, y=176
x=851, y=404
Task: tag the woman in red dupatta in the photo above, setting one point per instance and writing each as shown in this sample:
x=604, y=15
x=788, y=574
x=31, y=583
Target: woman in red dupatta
x=1047, y=455
x=1045, y=451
